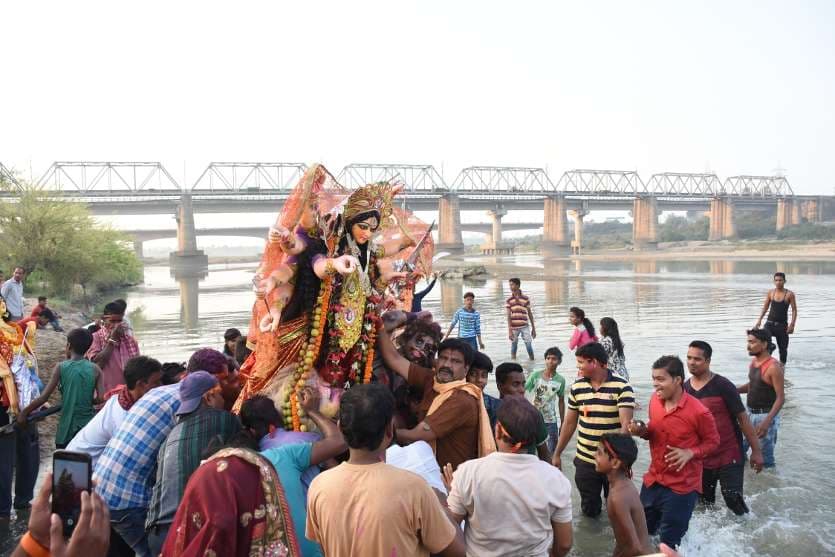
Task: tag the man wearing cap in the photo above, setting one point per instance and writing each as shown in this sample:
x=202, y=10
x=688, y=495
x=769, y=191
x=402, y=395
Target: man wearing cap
x=201, y=421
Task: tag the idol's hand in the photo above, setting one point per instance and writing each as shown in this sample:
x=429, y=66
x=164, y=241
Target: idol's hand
x=279, y=235
x=269, y=323
x=345, y=264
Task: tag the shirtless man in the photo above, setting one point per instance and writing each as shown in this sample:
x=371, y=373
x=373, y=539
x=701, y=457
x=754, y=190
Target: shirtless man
x=779, y=300
x=615, y=456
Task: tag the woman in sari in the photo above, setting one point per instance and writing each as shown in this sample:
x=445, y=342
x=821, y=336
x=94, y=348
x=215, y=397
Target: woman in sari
x=233, y=505
x=333, y=261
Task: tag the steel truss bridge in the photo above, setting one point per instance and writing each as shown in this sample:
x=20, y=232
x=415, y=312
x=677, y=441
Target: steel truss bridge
x=99, y=181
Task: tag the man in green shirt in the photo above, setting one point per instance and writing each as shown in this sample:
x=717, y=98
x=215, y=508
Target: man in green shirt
x=548, y=388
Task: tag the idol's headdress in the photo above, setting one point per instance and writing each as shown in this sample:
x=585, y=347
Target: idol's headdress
x=373, y=199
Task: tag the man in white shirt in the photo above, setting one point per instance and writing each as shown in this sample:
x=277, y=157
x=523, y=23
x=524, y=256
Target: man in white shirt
x=141, y=375
x=513, y=502
x=12, y=291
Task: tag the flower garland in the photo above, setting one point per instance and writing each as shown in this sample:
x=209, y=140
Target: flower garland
x=307, y=355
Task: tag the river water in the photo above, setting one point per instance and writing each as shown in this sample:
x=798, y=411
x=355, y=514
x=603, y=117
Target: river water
x=660, y=307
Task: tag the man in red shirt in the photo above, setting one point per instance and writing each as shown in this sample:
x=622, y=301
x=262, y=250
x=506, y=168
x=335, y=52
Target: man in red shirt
x=681, y=433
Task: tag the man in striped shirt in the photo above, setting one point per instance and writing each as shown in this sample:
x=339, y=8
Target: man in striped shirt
x=519, y=319
x=469, y=323
x=599, y=402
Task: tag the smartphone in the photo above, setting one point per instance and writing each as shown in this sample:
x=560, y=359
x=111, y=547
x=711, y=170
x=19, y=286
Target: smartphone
x=71, y=474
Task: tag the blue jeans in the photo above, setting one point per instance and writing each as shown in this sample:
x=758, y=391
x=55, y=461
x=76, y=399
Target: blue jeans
x=472, y=341
x=130, y=525
x=525, y=333
x=768, y=442
x=553, y=435
x=668, y=512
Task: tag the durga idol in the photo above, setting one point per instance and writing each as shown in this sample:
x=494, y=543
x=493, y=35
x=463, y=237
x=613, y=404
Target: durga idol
x=332, y=263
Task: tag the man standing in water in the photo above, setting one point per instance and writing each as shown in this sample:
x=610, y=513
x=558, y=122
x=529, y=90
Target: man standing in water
x=519, y=319
x=726, y=465
x=777, y=303
x=765, y=393
x=681, y=433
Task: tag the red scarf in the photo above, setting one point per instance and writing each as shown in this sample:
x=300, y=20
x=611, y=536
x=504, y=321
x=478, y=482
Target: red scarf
x=125, y=398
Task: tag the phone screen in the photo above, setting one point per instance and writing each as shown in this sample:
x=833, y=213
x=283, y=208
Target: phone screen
x=71, y=473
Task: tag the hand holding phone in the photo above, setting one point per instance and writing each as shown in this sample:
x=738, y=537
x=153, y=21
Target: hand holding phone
x=71, y=475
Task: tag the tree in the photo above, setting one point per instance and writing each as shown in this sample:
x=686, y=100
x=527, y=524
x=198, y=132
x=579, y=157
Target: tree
x=61, y=242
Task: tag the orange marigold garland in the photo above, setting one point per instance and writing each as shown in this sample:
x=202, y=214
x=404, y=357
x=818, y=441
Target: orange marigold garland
x=307, y=355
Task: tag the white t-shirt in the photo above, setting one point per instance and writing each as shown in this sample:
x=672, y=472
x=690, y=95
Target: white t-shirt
x=93, y=438
x=418, y=458
x=510, y=501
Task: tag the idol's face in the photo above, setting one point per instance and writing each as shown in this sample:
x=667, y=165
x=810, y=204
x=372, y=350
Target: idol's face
x=363, y=230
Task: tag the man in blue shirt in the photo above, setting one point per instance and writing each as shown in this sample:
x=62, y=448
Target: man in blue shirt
x=469, y=323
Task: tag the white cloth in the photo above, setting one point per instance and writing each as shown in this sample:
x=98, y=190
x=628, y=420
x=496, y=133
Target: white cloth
x=93, y=438
x=12, y=292
x=510, y=501
x=418, y=458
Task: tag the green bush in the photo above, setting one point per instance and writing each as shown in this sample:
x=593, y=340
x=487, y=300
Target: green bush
x=60, y=243
x=807, y=231
x=682, y=229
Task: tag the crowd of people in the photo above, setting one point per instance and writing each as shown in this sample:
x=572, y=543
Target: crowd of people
x=425, y=463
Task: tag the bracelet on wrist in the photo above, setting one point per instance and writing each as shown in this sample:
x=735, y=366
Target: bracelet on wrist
x=329, y=268
x=33, y=547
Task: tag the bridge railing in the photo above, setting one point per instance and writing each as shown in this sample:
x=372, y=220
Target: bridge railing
x=101, y=181
x=249, y=176
x=111, y=177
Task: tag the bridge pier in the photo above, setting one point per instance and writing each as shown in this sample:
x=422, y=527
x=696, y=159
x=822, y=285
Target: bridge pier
x=645, y=223
x=555, y=227
x=784, y=211
x=577, y=244
x=812, y=211
x=187, y=256
x=449, y=225
x=722, y=221
x=796, y=214
x=137, y=248
x=494, y=244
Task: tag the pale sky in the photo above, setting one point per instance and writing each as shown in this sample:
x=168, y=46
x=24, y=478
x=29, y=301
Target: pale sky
x=731, y=87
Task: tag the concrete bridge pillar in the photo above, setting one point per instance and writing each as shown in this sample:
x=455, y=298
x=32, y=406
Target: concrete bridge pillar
x=449, y=225
x=722, y=220
x=784, y=213
x=812, y=211
x=187, y=254
x=577, y=244
x=137, y=248
x=645, y=223
x=796, y=214
x=494, y=244
x=555, y=227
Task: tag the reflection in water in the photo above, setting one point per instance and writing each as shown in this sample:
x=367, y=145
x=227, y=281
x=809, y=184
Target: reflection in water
x=645, y=266
x=452, y=294
x=556, y=291
x=189, y=301
x=189, y=284
x=722, y=267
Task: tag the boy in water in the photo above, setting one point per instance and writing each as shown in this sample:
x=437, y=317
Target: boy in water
x=548, y=388
x=615, y=456
x=469, y=323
